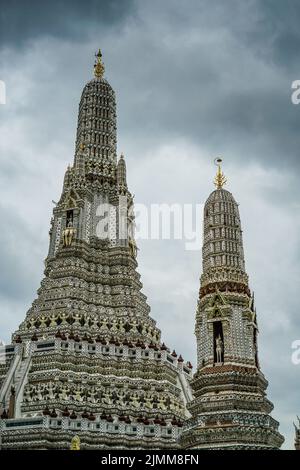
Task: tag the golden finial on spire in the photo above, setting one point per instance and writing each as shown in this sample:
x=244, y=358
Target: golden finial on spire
x=99, y=66
x=220, y=178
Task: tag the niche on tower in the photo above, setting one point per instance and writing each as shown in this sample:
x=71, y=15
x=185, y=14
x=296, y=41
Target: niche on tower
x=70, y=218
x=218, y=339
x=69, y=231
x=72, y=205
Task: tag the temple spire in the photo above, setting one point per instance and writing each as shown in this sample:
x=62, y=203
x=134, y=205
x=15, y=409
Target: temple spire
x=91, y=296
x=99, y=66
x=229, y=387
x=220, y=178
x=97, y=121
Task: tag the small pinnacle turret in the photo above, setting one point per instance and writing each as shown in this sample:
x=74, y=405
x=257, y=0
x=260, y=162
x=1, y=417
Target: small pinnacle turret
x=121, y=172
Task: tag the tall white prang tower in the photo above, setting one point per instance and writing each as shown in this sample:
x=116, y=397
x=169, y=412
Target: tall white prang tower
x=230, y=409
x=87, y=368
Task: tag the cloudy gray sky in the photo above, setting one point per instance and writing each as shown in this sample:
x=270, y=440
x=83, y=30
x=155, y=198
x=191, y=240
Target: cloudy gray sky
x=194, y=79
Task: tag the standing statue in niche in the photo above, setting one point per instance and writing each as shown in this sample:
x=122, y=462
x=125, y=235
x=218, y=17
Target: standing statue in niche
x=219, y=349
x=68, y=234
x=131, y=232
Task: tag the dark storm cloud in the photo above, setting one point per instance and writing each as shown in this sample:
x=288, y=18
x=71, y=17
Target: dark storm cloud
x=196, y=72
x=277, y=33
x=27, y=20
x=215, y=78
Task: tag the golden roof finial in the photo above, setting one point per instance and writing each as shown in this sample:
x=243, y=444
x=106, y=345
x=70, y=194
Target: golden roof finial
x=220, y=178
x=99, y=66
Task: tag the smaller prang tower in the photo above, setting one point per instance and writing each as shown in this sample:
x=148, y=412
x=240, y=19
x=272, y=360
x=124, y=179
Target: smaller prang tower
x=230, y=409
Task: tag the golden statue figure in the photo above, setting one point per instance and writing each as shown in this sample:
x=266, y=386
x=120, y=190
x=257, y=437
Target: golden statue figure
x=75, y=443
x=68, y=234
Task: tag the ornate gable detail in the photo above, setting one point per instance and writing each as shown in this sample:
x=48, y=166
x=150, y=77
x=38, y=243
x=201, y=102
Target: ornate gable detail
x=72, y=200
x=218, y=308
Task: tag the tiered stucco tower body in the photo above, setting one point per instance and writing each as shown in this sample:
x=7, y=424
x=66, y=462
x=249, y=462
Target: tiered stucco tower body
x=230, y=409
x=88, y=359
